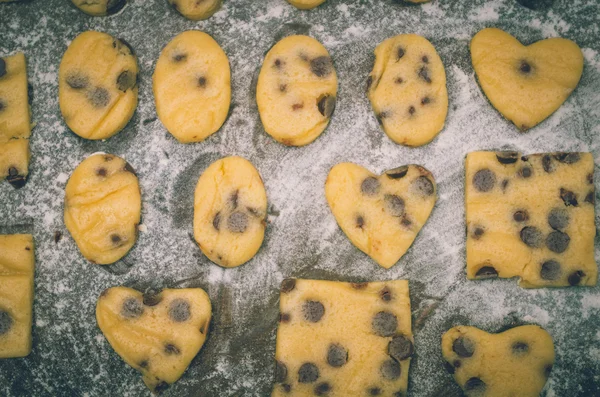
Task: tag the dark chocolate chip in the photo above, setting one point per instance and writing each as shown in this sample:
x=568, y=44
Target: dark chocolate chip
x=486, y=272
x=145, y=364
x=411, y=110
x=116, y=239
x=172, y=350
x=101, y=172
x=129, y=168
x=521, y=216
x=425, y=59
x=525, y=67
x=550, y=270
x=394, y=204
x=217, y=221
x=326, y=105
x=399, y=53
x=567, y=158
x=520, y=348
x=424, y=186
x=504, y=184
x=201, y=81
x=284, y=317
x=120, y=43
x=399, y=393
x=405, y=221
x=525, y=172
x=590, y=178
x=507, y=157
x=369, y=82
x=423, y=74
x=286, y=387
x=531, y=236
x=237, y=222
x=179, y=57
x=399, y=80
x=386, y=294
x=547, y=163
x=449, y=367
x=6, y=322
x=337, y=355
x=382, y=115
x=558, y=241
x=568, y=197
x=114, y=6
x=2, y=105
x=374, y=391
x=152, y=298
x=484, y=180
x=132, y=308
x=57, y=236
x=384, y=324
x=397, y=173
x=126, y=80
x=478, y=231
x=390, y=369
x=321, y=66
x=370, y=186
x=15, y=179
x=575, y=277
x=425, y=101
x=313, y=311
x=233, y=199
x=463, y=346
x=99, y=97
x=308, y=373
x=547, y=370
x=283, y=87
x=400, y=348
x=161, y=387
x=278, y=63
x=77, y=81
x=281, y=372
x=590, y=198
x=558, y=218
x=322, y=389
x=457, y=363
x=297, y=106
x=2, y=67
x=179, y=310
x=475, y=385
x=288, y=285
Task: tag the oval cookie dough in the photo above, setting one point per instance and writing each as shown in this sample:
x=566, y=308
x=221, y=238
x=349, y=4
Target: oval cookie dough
x=196, y=9
x=103, y=208
x=100, y=7
x=192, y=86
x=407, y=89
x=230, y=208
x=97, y=85
x=306, y=4
x=296, y=90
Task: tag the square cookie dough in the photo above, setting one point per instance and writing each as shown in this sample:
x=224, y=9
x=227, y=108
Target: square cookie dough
x=531, y=217
x=343, y=339
x=17, y=264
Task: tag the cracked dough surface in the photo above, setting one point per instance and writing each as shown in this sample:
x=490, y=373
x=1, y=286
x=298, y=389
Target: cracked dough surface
x=99, y=7
x=196, y=9
x=97, y=85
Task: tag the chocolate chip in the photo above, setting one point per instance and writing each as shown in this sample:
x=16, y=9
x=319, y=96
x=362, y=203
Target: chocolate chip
x=399, y=80
x=521, y=216
x=114, y=6
x=590, y=178
x=531, y=236
x=504, y=184
x=132, y=308
x=116, y=239
x=313, y=311
x=411, y=110
x=57, y=236
x=405, y=221
x=550, y=270
x=160, y=387
x=425, y=59
x=297, y=106
x=386, y=294
x=425, y=101
x=399, y=53
x=2, y=105
x=384, y=324
x=145, y=364
x=382, y=115
x=77, y=81
x=547, y=370
x=374, y=391
x=237, y=222
x=423, y=74
x=399, y=393
x=394, y=204
x=567, y=158
x=99, y=97
x=288, y=285
x=575, y=277
x=558, y=218
x=201, y=81
x=321, y=66
x=284, y=317
x=281, y=372
x=283, y=87
x=369, y=82
x=101, y=172
x=547, y=163
x=16, y=180
x=322, y=389
x=568, y=197
x=475, y=385
x=179, y=57
x=424, y=186
x=179, y=310
x=217, y=221
x=120, y=43
x=152, y=298
x=390, y=369
x=337, y=355
x=286, y=387
x=478, y=231
x=308, y=373
x=397, y=173
x=520, y=348
x=326, y=105
x=129, y=168
x=525, y=172
x=126, y=80
x=590, y=198
x=2, y=67
x=172, y=350
x=525, y=67
x=558, y=241
x=370, y=186
x=507, y=157
x=463, y=346
x=278, y=63
x=400, y=348
x=233, y=199
x=484, y=180
x=6, y=322
x=449, y=367
x=486, y=272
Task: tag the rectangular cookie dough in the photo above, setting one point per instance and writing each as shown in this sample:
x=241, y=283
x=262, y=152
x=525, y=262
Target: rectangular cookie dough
x=17, y=265
x=531, y=217
x=343, y=339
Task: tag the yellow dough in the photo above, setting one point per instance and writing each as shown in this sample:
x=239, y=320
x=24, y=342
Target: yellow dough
x=516, y=362
x=525, y=83
x=296, y=90
x=97, y=85
x=103, y=208
x=407, y=89
x=192, y=86
x=17, y=266
x=531, y=217
x=196, y=9
x=230, y=207
x=157, y=333
x=15, y=124
x=381, y=215
x=100, y=7
x=340, y=339
x=306, y=4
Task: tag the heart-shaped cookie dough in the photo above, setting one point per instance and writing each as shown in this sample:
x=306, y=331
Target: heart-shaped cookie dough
x=516, y=362
x=383, y=214
x=157, y=333
x=525, y=83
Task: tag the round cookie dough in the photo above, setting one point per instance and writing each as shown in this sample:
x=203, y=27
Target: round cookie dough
x=196, y=9
x=97, y=85
x=306, y=4
x=230, y=208
x=99, y=8
x=192, y=86
x=407, y=89
x=103, y=208
x=296, y=90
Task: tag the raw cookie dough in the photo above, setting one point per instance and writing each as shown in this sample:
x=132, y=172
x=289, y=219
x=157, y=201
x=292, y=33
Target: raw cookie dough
x=383, y=214
x=97, y=85
x=407, y=89
x=343, y=339
x=531, y=217
x=15, y=124
x=196, y=9
x=516, y=362
x=103, y=208
x=525, y=83
x=296, y=90
x=100, y=7
x=157, y=333
x=192, y=86
x=306, y=4
x=230, y=207
x=17, y=265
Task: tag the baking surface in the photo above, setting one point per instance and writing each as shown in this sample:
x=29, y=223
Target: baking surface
x=70, y=356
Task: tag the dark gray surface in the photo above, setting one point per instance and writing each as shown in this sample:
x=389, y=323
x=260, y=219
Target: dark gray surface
x=70, y=356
